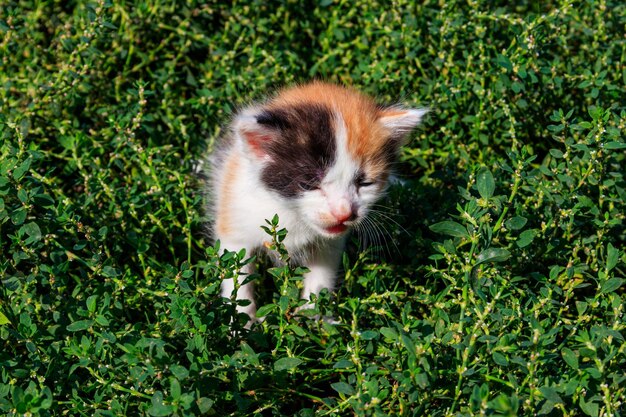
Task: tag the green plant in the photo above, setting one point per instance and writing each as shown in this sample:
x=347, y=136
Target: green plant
x=499, y=287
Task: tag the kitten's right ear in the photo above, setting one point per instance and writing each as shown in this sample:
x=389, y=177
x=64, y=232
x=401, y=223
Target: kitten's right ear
x=400, y=121
x=255, y=136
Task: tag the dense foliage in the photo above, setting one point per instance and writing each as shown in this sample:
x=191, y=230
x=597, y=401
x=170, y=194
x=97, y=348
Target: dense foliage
x=492, y=285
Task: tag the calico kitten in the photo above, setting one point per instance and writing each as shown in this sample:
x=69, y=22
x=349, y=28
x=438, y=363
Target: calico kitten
x=318, y=155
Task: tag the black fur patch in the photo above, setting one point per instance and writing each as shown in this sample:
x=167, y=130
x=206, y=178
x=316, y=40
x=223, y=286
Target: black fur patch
x=304, y=148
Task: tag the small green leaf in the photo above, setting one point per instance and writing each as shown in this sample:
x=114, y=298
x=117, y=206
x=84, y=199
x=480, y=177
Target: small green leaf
x=611, y=285
x=108, y=25
x=408, y=344
x=205, y=404
x=492, y=255
x=249, y=354
x=450, y=228
x=504, y=62
x=80, y=325
x=110, y=272
x=515, y=223
x=18, y=216
x=389, y=333
x=3, y=319
x=179, y=371
x=343, y=364
x=592, y=370
x=546, y=408
x=615, y=145
x=550, y=394
x=33, y=232
x=343, y=388
x=283, y=303
x=91, y=303
x=369, y=335
x=11, y=283
x=22, y=195
x=297, y=330
x=570, y=357
x=500, y=359
x=21, y=169
x=265, y=310
x=485, y=183
x=101, y=320
x=612, y=257
x=286, y=364
x=590, y=408
x=525, y=238
x=158, y=409
x=47, y=401
x=556, y=153
x=175, y=389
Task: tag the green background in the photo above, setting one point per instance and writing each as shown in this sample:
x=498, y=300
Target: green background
x=490, y=284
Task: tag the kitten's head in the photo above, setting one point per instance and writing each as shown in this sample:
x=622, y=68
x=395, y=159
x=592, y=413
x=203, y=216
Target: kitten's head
x=326, y=149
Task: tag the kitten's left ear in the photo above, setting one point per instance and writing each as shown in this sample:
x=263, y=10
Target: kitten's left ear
x=255, y=136
x=400, y=121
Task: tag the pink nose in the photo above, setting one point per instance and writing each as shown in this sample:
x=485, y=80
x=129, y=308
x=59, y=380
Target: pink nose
x=343, y=212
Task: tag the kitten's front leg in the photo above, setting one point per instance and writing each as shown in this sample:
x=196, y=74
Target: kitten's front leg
x=323, y=263
x=244, y=292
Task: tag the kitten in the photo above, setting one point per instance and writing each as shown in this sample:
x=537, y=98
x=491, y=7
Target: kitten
x=318, y=155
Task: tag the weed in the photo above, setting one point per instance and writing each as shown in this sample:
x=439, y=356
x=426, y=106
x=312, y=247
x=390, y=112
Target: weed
x=500, y=291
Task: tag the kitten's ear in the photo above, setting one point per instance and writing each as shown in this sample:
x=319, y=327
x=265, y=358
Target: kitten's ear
x=400, y=121
x=255, y=136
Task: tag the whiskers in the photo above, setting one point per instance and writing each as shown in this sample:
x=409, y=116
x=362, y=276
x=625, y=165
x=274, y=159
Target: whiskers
x=375, y=232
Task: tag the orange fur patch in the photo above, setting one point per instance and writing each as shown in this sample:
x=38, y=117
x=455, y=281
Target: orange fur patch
x=222, y=221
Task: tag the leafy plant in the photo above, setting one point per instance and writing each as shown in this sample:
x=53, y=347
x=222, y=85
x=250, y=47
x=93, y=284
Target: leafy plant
x=494, y=281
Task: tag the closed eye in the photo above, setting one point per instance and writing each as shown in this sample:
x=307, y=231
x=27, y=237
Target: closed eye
x=361, y=180
x=365, y=183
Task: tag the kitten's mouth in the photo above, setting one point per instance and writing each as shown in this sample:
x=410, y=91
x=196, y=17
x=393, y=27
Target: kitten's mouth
x=337, y=229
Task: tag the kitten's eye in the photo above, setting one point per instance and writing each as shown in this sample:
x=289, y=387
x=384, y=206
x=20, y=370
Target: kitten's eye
x=364, y=182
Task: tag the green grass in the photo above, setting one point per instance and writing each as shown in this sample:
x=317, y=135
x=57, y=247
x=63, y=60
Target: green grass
x=502, y=295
